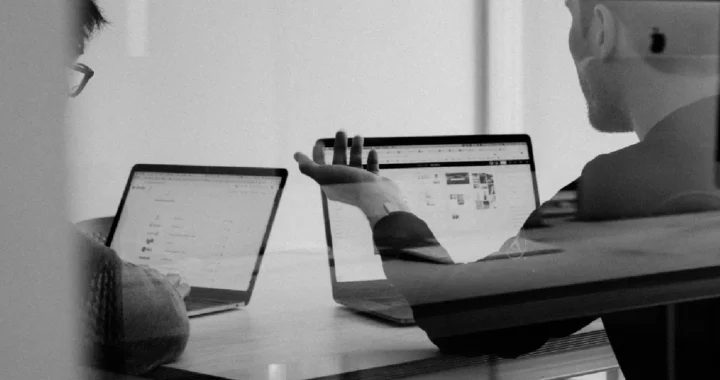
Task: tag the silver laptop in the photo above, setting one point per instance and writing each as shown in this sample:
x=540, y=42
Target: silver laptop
x=210, y=225
x=473, y=191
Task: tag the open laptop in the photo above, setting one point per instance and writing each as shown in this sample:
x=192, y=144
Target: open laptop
x=210, y=225
x=474, y=192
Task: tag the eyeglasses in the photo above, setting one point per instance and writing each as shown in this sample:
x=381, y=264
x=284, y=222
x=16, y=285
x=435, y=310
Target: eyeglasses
x=79, y=76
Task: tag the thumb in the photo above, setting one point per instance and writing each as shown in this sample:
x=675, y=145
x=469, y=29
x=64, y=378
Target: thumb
x=306, y=165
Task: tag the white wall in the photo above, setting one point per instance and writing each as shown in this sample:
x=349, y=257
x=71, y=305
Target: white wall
x=506, y=42
x=249, y=82
x=37, y=328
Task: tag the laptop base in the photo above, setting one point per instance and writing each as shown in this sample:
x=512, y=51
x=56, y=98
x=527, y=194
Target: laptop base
x=202, y=307
x=399, y=315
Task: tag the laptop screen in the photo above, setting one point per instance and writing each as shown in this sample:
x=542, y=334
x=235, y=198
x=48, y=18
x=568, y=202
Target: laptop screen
x=472, y=196
x=208, y=228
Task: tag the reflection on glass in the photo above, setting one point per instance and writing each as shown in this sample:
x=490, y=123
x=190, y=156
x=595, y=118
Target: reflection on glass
x=617, y=97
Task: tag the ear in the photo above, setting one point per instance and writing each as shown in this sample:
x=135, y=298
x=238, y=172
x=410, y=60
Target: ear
x=603, y=32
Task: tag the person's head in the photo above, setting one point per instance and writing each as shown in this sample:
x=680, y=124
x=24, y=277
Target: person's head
x=624, y=60
x=89, y=19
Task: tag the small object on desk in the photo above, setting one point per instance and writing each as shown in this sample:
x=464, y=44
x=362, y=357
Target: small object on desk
x=523, y=248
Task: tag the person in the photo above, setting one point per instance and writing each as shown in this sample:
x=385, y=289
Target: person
x=669, y=100
x=133, y=318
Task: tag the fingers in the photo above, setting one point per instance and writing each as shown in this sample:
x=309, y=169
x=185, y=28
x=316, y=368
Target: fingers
x=302, y=159
x=322, y=174
x=340, y=154
x=306, y=165
x=319, y=153
x=339, y=172
x=176, y=281
x=356, y=152
x=373, y=165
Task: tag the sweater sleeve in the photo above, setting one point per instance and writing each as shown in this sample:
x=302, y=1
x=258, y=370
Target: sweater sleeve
x=133, y=320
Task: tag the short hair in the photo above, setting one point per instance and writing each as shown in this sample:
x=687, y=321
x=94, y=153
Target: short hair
x=699, y=55
x=90, y=19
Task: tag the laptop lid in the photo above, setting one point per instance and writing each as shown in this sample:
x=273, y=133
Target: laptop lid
x=210, y=225
x=473, y=191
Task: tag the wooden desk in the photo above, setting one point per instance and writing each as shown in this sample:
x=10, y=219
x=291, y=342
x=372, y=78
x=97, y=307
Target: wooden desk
x=293, y=322
x=292, y=329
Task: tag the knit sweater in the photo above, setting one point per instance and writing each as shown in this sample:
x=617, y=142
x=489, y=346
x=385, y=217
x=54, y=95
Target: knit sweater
x=132, y=319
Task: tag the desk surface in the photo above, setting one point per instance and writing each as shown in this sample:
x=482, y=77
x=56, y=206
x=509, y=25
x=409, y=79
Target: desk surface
x=293, y=326
x=292, y=329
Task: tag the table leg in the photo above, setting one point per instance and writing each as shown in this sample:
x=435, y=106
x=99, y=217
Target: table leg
x=670, y=340
x=613, y=374
x=493, y=368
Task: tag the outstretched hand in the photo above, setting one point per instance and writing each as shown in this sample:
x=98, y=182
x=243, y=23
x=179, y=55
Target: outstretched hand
x=351, y=184
x=340, y=172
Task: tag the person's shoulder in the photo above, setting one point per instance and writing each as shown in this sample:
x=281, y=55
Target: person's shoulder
x=620, y=167
x=608, y=184
x=620, y=160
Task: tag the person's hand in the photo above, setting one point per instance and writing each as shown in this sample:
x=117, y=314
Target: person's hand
x=178, y=284
x=173, y=279
x=351, y=184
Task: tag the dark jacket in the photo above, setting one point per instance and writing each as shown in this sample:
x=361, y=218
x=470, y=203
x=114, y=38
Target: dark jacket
x=671, y=171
